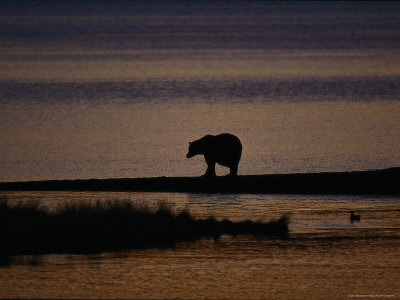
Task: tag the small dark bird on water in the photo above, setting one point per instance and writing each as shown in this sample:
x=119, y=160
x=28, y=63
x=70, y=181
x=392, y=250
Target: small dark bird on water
x=354, y=217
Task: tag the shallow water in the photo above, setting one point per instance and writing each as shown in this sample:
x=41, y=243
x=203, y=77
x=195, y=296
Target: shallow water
x=118, y=90
x=239, y=269
x=325, y=254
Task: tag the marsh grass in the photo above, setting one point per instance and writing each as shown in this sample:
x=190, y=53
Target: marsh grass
x=28, y=228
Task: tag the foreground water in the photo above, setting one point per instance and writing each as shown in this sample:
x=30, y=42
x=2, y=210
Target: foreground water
x=234, y=269
x=119, y=89
x=326, y=254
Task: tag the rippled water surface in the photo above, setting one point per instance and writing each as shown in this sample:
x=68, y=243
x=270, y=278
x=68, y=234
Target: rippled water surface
x=118, y=89
x=242, y=268
x=325, y=253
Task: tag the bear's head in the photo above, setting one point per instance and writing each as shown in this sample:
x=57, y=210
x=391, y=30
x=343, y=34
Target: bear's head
x=193, y=150
x=199, y=146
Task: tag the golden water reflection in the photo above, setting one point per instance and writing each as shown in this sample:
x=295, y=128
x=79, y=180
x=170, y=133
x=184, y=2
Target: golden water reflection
x=234, y=268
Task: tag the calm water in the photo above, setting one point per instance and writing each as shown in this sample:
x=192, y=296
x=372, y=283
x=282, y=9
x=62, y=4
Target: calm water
x=110, y=90
x=325, y=255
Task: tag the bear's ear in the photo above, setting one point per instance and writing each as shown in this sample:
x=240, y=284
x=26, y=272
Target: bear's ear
x=190, y=143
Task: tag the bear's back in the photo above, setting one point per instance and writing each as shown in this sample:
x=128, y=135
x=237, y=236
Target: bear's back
x=225, y=145
x=227, y=139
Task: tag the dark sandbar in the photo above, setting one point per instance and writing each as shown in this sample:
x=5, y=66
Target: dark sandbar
x=384, y=182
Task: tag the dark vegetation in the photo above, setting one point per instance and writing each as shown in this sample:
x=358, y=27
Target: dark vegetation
x=26, y=228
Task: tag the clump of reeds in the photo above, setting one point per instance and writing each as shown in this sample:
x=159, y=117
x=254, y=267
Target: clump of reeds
x=26, y=228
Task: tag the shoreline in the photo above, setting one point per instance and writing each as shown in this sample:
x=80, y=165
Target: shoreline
x=378, y=182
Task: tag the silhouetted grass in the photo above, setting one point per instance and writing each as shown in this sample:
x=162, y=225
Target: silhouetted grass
x=26, y=228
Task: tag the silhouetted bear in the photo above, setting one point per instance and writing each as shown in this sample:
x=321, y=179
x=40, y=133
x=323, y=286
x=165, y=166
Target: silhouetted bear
x=224, y=149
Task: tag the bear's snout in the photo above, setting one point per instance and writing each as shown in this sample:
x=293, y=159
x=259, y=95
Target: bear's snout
x=189, y=155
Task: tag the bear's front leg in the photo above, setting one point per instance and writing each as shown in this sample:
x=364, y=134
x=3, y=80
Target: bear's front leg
x=233, y=171
x=210, y=169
